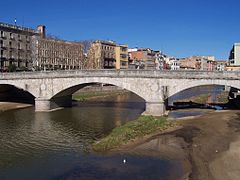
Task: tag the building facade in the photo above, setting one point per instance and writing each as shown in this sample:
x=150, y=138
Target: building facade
x=102, y=55
x=220, y=65
x=121, y=52
x=53, y=54
x=144, y=58
x=174, y=64
x=205, y=63
x=16, y=47
x=234, y=57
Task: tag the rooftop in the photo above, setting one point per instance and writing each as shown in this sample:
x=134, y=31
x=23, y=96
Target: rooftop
x=20, y=28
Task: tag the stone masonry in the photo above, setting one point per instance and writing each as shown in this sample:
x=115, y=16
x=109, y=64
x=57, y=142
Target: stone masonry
x=54, y=88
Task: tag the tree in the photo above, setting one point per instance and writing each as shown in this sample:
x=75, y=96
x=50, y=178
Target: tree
x=86, y=45
x=12, y=68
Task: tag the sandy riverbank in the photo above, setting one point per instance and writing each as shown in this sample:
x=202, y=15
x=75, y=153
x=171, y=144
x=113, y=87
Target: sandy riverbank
x=213, y=144
x=208, y=146
x=5, y=106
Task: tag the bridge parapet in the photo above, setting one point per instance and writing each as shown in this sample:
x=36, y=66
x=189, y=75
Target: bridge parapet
x=180, y=74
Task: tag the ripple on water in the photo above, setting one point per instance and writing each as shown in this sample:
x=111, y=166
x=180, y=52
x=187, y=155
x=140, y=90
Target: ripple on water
x=55, y=143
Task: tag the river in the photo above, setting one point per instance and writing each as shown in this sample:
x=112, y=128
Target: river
x=57, y=145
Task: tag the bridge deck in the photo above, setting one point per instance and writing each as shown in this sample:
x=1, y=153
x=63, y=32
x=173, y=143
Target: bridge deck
x=180, y=74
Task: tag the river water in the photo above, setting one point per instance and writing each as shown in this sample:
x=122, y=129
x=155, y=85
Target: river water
x=57, y=145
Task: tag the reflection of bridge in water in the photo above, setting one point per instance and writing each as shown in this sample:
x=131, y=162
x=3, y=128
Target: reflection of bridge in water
x=55, y=88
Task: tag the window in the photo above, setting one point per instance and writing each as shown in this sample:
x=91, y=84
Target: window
x=123, y=56
x=11, y=36
x=123, y=49
x=123, y=63
x=2, y=34
x=27, y=38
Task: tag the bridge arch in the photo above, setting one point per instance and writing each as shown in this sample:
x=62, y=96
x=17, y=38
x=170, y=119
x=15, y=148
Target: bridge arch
x=70, y=87
x=188, y=84
x=14, y=93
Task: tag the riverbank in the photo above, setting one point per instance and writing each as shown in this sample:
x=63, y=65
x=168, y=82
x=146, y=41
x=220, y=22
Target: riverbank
x=221, y=98
x=213, y=145
x=208, y=146
x=90, y=96
x=6, y=106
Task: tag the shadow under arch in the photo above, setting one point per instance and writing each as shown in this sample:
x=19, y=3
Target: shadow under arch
x=212, y=91
x=64, y=97
x=11, y=93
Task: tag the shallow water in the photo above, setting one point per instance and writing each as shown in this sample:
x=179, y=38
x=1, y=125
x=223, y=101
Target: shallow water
x=57, y=145
x=181, y=114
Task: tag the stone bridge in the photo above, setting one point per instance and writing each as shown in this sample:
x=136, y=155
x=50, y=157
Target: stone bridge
x=55, y=88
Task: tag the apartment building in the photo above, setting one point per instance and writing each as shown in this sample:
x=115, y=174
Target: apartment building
x=29, y=49
x=16, y=47
x=102, y=55
x=143, y=58
x=205, y=63
x=220, y=65
x=53, y=54
x=121, y=52
x=234, y=57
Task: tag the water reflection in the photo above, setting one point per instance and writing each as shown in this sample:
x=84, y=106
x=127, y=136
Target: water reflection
x=57, y=144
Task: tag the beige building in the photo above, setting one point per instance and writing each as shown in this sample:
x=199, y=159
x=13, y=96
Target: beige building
x=102, y=55
x=53, y=54
x=232, y=68
x=121, y=52
x=205, y=63
x=16, y=47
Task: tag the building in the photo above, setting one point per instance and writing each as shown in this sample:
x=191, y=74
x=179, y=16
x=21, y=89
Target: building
x=16, y=47
x=220, y=65
x=102, y=55
x=174, y=64
x=53, y=54
x=121, y=52
x=232, y=68
x=234, y=56
x=205, y=63
x=28, y=49
x=160, y=61
x=143, y=58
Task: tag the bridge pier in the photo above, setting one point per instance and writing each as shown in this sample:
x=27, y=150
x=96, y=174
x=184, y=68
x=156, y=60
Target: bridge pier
x=44, y=104
x=155, y=108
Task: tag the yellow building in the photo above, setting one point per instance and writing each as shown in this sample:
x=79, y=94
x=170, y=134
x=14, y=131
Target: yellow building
x=101, y=55
x=121, y=56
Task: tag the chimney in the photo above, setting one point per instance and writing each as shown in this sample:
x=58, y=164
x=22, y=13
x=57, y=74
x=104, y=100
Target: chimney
x=42, y=30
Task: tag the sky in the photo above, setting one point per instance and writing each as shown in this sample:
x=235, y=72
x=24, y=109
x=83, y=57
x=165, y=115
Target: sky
x=178, y=28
